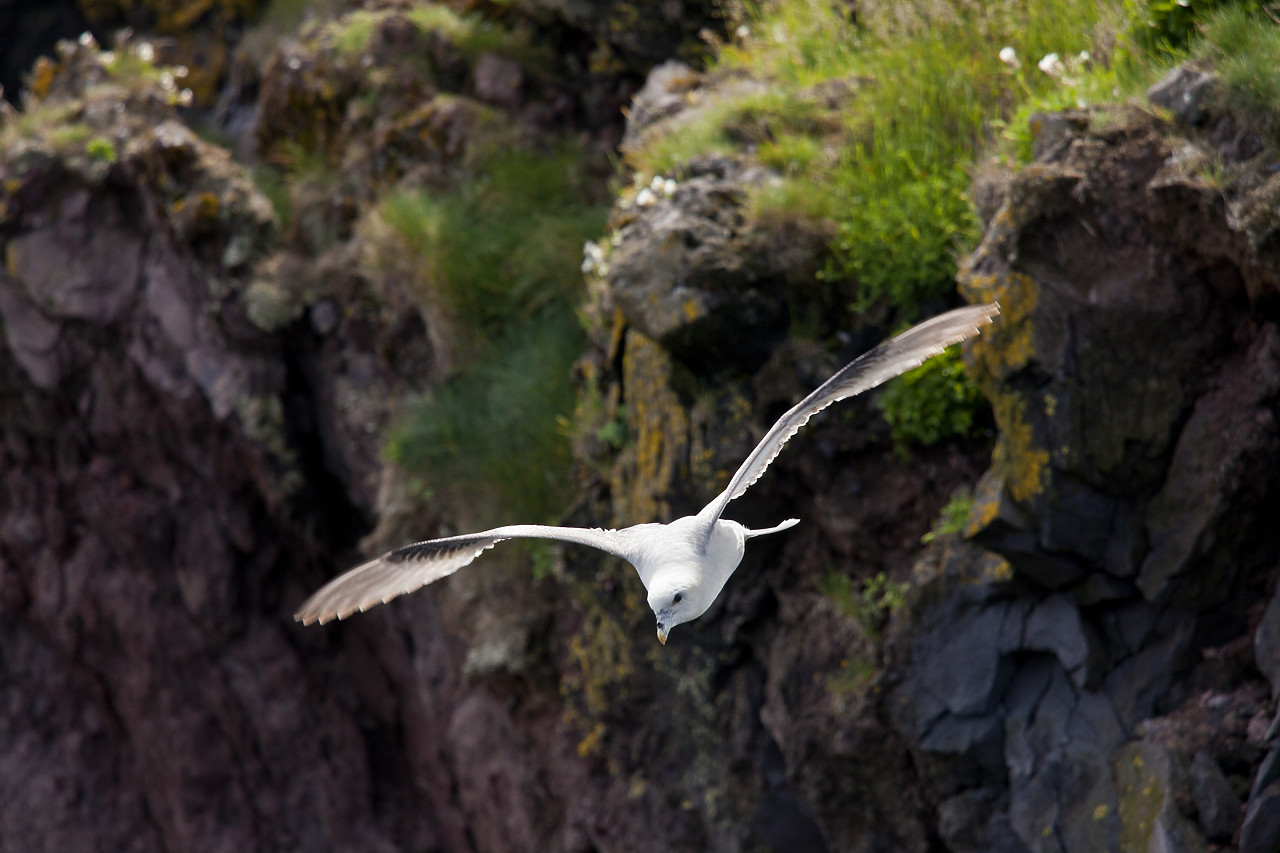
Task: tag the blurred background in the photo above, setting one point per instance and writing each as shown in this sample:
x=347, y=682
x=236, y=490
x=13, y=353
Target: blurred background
x=288, y=283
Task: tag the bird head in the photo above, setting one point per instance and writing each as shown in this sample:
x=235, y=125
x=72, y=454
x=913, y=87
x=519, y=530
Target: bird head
x=674, y=600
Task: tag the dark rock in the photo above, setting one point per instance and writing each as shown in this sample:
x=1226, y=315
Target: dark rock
x=1137, y=683
x=664, y=94
x=1054, y=626
x=1268, y=772
x=1206, y=500
x=976, y=820
x=692, y=274
x=1266, y=644
x=1148, y=781
x=1059, y=740
x=1190, y=93
x=958, y=667
x=1217, y=804
x=30, y=30
x=1260, y=832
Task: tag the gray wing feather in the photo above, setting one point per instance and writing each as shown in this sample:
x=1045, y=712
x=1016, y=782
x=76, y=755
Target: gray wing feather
x=414, y=566
x=879, y=364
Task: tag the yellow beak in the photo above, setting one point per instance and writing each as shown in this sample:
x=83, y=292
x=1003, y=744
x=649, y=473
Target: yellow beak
x=662, y=634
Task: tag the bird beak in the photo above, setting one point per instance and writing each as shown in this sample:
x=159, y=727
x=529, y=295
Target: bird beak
x=662, y=633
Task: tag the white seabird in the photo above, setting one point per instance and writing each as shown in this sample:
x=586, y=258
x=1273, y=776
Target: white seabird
x=683, y=565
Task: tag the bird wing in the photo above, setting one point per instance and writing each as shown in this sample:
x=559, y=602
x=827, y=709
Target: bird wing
x=414, y=566
x=879, y=364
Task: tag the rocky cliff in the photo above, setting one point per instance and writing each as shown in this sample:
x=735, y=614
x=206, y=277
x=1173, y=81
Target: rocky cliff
x=196, y=385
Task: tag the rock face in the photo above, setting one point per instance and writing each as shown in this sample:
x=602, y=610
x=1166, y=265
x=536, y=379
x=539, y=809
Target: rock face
x=1131, y=376
x=194, y=394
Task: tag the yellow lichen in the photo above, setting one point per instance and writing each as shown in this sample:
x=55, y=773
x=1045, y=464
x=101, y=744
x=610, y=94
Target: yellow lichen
x=1022, y=463
x=648, y=470
x=590, y=745
x=1007, y=346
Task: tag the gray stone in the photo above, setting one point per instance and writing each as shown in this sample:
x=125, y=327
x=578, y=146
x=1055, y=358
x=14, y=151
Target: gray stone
x=977, y=820
x=1058, y=743
x=662, y=95
x=1261, y=830
x=1266, y=644
x=1137, y=683
x=956, y=666
x=1055, y=626
x=85, y=267
x=1200, y=509
x=1216, y=801
x=32, y=338
x=1267, y=773
x=685, y=271
x=1186, y=91
x=498, y=80
x=1147, y=782
x=981, y=738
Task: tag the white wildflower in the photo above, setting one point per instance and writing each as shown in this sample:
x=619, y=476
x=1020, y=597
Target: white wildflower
x=592, y=257
x=646, y=198
x=1009, y=57
x=87, y=39
x=185, y=97
x=669, y=187
x=1052, y=65
x=656, y=184
x=742, y=32
x=145, y=51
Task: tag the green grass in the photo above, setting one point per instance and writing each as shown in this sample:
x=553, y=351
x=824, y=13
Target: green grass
x=919, y=90
x=871, y=606
x=504, y=246
x=953, y=518
x=499, y=259
x=473, y=36
x=1244, y=47
x=933, y=402
x=495, y=433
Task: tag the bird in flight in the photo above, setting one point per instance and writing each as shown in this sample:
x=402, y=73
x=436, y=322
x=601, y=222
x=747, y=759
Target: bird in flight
x=684, y=564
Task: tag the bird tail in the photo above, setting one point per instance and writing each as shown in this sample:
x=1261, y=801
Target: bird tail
x=790, y=522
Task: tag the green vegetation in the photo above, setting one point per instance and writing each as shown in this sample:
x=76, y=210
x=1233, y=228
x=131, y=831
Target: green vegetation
x=875, y=122
x=1170, y=26
x=101, y=148
x=1244, y=49
x=870, y=606
x=953, y=518
x=499, y=260
x=495, y=430
x=503, y=247
x=468, y=33
x=933, y=402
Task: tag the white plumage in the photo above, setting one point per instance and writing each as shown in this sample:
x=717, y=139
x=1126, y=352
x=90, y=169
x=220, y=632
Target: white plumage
x=684, y=564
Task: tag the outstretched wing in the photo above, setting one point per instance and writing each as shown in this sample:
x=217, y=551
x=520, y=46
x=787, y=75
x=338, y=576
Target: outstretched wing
x=414, y=566
x=879, y=364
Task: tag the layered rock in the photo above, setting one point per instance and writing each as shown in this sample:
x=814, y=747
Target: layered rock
x=1098, y=691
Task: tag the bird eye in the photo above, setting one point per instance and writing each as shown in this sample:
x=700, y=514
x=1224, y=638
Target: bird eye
x=679, y=598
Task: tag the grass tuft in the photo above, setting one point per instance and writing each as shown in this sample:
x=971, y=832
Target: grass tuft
x=1244, y=48
x=931, y=403
x=499, y=260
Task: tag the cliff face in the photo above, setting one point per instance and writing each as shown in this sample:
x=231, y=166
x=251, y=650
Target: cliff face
x=195, y=393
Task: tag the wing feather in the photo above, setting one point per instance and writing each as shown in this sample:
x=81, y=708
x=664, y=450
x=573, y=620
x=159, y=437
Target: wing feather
x=412, y=567
x=879, y=364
